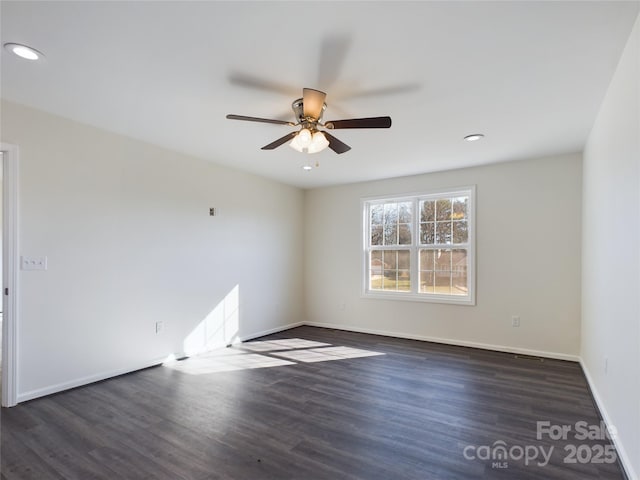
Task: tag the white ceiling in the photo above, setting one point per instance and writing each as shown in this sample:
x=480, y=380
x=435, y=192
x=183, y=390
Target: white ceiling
x=529, y=75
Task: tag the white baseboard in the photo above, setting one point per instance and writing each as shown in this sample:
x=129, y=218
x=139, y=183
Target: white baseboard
x=449, y=341
x=79, y=382
x=622, y=453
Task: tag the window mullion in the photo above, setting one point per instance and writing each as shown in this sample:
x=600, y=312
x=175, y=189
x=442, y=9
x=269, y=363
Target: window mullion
x=415, y=242
x=367, y=249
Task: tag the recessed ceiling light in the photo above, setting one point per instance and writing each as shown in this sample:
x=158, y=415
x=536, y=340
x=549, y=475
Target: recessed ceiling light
x=23, y=51
x=474, y=137
x=307, y=168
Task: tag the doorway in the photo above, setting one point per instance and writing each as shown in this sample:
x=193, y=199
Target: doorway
x=9, y=208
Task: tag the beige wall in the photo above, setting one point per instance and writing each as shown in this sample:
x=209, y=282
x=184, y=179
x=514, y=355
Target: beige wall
x=528, y=260
x=611, y=263
x=129, y=240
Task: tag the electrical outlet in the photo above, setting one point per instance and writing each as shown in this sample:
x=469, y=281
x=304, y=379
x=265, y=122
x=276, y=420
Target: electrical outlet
x=33, y=263
x=515, y=321
x=159, y=327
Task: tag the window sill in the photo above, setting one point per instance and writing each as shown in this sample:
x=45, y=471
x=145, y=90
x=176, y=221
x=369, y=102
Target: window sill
x=416, y=297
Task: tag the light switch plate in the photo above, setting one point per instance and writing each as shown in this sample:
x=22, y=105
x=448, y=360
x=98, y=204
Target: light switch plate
x=33, y=263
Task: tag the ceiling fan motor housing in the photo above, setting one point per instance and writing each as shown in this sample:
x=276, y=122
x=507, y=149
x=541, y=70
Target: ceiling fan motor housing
x=298, y=111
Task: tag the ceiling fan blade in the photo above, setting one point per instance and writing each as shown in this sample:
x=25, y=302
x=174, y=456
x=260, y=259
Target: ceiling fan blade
x=312, y=102
x=336, y=145
x=249, y=81
x=280, y=141
x=379, y=92
x=261, y=120
x=373, y=122
x=333, y=52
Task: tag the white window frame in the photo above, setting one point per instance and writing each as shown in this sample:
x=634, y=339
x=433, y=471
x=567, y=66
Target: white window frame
x=414, y=294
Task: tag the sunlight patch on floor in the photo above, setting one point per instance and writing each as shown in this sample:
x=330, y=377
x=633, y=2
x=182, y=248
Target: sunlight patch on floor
x=272, y=353
x=225, y=360
x=283, y=344
x=325, y=354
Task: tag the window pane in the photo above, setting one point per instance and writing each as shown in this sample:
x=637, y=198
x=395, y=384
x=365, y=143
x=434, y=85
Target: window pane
x=427, y=282
x=404, y=281
x=390, y=270
x=376, y=214
x=443, y=232
x=460, y=232
x=390, y=258
x=376, y=235
x=443, y=209
x=443, y=259
x=389, y=280
x=376, y=262
x=404, y=212
x=427, y=274
x=395, y=281
x=427, y=260
x=427, y=209
x=404, y=234
x=427, y=233
x=390, y=233
x=459, y=272
x=375, y=270
x=443, y=283
x=404, y=259
x=390, y=213
x=460, y=208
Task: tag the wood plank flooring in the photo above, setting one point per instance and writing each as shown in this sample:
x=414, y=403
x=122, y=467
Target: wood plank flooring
x=311, y=403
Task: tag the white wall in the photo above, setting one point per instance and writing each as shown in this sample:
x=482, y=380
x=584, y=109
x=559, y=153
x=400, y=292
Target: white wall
x=528, y=259
x=611, y=264
x=129, y=240
x=1, y=220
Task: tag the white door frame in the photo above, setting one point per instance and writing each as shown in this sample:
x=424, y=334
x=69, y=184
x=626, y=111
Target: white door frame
x=10, y=275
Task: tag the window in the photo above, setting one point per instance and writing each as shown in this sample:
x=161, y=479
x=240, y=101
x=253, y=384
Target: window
x=421, y=247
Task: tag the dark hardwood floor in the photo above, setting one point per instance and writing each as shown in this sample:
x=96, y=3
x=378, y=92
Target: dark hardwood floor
x=279, y=408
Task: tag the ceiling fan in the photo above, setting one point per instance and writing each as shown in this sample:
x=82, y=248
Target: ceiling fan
x=308, y=112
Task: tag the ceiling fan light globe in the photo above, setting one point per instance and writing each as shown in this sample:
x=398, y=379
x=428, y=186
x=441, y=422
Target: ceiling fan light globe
x=318, y=143
x=295, y=144
x=304, y=137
